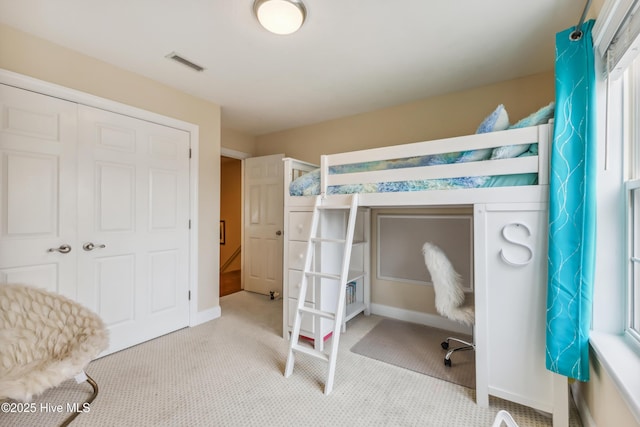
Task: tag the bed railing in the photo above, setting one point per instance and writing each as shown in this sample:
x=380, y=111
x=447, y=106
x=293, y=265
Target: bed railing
x=533, y=164
x=294, y=169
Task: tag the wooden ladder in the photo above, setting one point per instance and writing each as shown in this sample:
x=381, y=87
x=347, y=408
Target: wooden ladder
x=316, y=240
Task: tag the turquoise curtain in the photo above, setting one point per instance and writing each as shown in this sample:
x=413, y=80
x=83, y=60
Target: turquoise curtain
x=572, y=208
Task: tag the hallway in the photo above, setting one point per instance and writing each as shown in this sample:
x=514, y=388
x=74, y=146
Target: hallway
x=230, y=282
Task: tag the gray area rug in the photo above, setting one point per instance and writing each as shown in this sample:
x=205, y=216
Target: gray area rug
x=417, y=348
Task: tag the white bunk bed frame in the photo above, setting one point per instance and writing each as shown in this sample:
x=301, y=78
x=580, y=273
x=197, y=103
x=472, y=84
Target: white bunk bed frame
x=465, y=196
x=510, y=226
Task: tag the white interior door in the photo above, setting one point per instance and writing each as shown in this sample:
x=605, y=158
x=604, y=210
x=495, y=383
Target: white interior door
x=263, y=220
x=37, y=190
x=133, y=263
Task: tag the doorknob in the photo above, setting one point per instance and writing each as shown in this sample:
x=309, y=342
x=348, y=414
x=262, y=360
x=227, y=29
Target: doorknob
x=90, y=246
x=278, y=233
x=63, y=249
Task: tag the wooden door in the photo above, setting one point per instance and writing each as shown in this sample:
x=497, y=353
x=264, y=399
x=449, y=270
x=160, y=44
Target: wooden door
x=263, y=224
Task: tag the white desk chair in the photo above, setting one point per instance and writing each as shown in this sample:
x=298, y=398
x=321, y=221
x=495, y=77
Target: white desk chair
x=449, y=295
x=504, y=417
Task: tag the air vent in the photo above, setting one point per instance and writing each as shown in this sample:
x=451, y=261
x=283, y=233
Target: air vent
x=185, y=61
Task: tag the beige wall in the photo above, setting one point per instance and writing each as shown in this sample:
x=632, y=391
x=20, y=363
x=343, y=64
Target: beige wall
x=231, y=210
x=443, y=116
x=606, y=406
x=38, y=58
x=238, y=141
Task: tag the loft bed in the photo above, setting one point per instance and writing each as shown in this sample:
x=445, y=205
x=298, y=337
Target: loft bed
x=484, y=167
x=503, y=174
x=431, y=173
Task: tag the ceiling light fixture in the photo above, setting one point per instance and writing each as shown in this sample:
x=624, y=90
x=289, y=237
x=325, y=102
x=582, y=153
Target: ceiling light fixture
x=280, y=16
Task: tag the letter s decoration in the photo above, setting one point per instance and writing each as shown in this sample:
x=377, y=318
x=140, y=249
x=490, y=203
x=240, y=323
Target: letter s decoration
x=508, y=259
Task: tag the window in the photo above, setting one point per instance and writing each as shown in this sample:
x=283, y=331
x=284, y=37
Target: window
x=615, y=337
x=631, y=126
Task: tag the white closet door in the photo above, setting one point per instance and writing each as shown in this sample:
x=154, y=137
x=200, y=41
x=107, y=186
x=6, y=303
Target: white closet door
x=133, y=225
x=37, y=190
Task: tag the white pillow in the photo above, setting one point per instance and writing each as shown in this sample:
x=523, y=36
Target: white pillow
x=543, y=115
x=498, y=120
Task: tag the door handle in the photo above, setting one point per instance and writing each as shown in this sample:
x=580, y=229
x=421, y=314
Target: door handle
x=278, y=233
x=90, y=246
x=63, y=249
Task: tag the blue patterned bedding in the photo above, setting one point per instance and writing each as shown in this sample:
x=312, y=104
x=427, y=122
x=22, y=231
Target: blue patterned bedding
x=309, y=184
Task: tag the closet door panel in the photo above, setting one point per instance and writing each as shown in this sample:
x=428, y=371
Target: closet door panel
x=114, y=280
x=115, y=196
x=163, y=203
x=40, y=275
x=134, y=193
x=165, y=274
x=37, y=190
x=32, y=195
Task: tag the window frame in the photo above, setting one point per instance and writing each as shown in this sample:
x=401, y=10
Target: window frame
x=631, y=184
x=614, y=349
x=631, y=327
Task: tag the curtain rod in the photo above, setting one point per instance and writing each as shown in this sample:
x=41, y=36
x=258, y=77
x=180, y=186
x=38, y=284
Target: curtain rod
x=577, y=33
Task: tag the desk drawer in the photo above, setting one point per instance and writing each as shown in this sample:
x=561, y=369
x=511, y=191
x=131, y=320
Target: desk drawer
x=295, y=278
x=299, y=225
x=297, y=251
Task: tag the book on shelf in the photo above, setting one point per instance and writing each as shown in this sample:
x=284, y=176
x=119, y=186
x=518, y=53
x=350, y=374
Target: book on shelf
x=351, y=292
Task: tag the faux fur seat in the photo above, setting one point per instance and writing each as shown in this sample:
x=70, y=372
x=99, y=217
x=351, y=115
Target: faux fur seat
x=45, y=339
x=450, y=297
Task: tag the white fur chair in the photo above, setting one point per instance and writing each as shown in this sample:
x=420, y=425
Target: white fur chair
x=45, y=339
x=449, y=295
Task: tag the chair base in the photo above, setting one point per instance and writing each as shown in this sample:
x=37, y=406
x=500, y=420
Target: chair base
x=465, y=346
x=91, y=398
x=504, y=417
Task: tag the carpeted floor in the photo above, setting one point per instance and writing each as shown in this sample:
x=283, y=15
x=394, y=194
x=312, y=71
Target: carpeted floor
x=228, y=372
x=417, y=347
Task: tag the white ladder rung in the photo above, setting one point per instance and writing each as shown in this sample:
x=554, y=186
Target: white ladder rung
x=334, y=207
x=323, y=275
x=311, y=352
x=315, y=312
x=327, y=240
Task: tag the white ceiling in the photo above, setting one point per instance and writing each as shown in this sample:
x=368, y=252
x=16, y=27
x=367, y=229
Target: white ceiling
x=351, y=56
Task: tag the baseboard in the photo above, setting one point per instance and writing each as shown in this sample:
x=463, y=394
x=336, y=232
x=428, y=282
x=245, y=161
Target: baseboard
x=427, y=319
x=581, y=405
x=207, y=315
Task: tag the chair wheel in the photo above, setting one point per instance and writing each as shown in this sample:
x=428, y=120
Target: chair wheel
x=444, y=345
x=447, y=362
